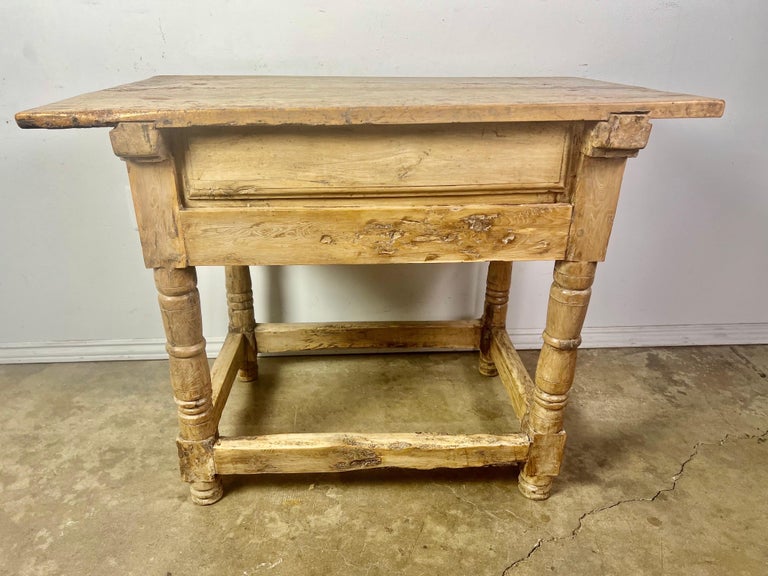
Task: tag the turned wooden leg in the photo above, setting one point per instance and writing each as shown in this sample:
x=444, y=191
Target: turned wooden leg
x=191, y=380
x=495, y=311
x=568, y=300
x=241, y=318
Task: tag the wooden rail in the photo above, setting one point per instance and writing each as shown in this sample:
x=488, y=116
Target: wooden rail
x=225, y=369
x=302, y=453
x=449, y=335
x=513, y=374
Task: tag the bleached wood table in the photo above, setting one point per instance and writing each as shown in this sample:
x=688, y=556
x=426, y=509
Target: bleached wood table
x=241, y=171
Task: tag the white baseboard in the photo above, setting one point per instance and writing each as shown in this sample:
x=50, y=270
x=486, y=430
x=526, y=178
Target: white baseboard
x=594, y=337
x=91, y=350
x=646, y=336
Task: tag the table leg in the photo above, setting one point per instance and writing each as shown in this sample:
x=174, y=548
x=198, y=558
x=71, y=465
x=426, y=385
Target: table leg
x=191, y=380
x=241, y=318
x=495, y=311
x=568, y=300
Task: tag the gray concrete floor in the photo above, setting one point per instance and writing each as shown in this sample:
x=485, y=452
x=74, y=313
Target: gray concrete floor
x=666, y=472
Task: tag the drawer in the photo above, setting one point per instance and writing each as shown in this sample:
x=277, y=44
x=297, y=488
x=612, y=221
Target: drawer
x=372, y=233
x=347, y=161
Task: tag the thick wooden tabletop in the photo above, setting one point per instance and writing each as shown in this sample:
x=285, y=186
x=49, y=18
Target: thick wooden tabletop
x=181, y=101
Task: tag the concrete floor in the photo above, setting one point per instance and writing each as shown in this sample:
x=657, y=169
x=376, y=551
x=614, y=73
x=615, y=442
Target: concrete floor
x=666, y=472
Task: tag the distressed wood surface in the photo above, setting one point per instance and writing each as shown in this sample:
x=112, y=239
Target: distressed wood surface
x=622, y=135
x=182, y=101
x=140, y=141
x=545, y=456
x=322, y=161
x=248, y=170
x=595, y=197
x=371, y=234
x=303, y=453
x=303, y=336
x=512, y=372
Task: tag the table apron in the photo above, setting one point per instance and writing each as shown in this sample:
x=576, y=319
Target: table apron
x=375, y=234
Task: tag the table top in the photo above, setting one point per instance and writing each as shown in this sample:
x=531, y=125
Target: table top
x=183, y=101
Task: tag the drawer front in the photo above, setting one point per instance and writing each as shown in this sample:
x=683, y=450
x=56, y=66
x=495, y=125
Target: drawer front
x=328, y=162
x=374, y=234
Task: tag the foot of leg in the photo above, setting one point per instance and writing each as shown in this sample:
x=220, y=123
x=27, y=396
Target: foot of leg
x=248, y=375
x=486, y=367
x=249, y=371
x=534, y=487
x=205, y=493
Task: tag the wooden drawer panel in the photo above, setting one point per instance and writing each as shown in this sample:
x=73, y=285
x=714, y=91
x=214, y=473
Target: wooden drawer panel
x=375, y=235
x=292, y=162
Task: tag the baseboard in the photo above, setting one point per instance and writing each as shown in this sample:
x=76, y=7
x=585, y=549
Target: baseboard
x=91, y=350
x=594, y=337
x=647, y=336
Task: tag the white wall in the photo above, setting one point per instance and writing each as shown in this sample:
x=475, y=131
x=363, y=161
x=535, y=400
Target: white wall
x=690, y=240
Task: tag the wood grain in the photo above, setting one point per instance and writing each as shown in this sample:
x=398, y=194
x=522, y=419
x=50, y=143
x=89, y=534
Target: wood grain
x=241, y=318
x=546, y=456
x=300, y=161
x=568, y=300
x=224, y=371
x=183, y=101
x=395, y=198
x=191, y=380
x=249, y=170
x=595, y=198
x=371, y=234
x=620, y=135
x=497, y=285
x=513, y=373
x=303, y=453
x=156, y=192
x=140, y=141
x=598, y=171
x=304, y=336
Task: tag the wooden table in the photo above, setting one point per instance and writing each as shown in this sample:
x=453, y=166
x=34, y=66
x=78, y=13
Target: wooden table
x=238, y=171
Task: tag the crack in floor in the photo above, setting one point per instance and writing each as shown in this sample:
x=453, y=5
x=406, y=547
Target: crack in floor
x=761, y=437
x=748, y=362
